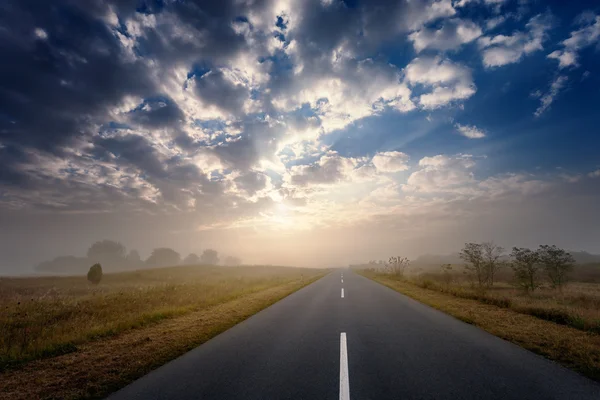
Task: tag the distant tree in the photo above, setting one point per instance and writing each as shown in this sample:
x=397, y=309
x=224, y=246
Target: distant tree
x=163, y=257
x=210, y=257
x=107, y=252
x=398, y=265
x=526, y=265
x=232, y=261
x=94, y=275
x=491, y=260
x=472, y=254
x=557, y=263
x=133, y=259
x=191, y=259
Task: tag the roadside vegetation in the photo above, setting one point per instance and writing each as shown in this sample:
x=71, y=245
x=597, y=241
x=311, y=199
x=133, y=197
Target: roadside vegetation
x=49, y=316
x=544, y=284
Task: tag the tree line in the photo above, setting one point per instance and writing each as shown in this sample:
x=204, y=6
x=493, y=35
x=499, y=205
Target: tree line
x=482, y=262
x=530, y=267
x=114, y=255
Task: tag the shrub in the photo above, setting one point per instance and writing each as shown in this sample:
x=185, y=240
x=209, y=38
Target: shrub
x=94, y=275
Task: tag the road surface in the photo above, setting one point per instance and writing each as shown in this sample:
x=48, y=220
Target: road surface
x=347, y=337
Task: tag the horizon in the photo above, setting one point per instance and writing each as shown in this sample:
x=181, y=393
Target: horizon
x=317, y=133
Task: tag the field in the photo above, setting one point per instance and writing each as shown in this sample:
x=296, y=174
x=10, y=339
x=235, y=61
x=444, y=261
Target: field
x=563, y=326
x=576, y=305
x=52, y=326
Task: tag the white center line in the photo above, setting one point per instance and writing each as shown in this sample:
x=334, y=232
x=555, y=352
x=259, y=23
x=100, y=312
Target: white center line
x=342, y=280
x=342, y=293
x=344, y=379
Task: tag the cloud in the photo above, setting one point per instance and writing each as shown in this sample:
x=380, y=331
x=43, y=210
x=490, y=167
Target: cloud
x=559, y=83
x=220, y=89
x=391, y=161
x=586, y=35
x=450, y=36
x=329, y=169
x=441, y=173
x=501, y=50
x=470, y=131
x=447, y=81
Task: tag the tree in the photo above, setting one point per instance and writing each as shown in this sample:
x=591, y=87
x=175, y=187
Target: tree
x=191, y=259
x=94, y=275
x=397, y=265
x=491, y=260
x=526, y=265
x=163, y=257
x=557, y=263
x=107, y=252
x=133, y=259
x=232, y=261
x=472, y=254
x=210, y=257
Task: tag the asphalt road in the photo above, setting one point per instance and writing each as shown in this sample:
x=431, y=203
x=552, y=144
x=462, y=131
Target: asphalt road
x=372, y=343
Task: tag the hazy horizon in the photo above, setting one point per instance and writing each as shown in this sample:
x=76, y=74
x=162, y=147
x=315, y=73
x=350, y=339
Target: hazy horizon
x=316, y=133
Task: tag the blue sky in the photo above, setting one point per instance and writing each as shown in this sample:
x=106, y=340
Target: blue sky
x=281, y=131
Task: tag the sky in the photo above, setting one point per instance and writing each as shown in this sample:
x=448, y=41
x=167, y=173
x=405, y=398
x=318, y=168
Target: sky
x=309, y=133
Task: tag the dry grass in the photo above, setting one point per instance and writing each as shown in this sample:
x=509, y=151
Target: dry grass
x=575, y=348
x=105, y=365
x=46, y=317
x=578, y=305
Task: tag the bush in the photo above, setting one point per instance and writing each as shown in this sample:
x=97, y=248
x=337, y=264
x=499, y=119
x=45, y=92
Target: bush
x=94, y=275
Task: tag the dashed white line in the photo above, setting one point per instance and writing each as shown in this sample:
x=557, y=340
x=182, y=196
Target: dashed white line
x=342, y=293
x=342, y=280
x=344, y=378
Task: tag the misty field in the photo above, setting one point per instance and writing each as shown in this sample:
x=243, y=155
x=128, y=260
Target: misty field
x=48, y=316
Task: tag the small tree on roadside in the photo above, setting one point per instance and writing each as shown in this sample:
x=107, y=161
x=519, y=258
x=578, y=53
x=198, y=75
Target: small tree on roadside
x=491, y=260
x=94, y=275
x=526, y=265
x=472, y=254
x=398, y=265
x=557, y=263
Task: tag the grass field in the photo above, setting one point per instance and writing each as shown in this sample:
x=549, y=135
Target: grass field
x=577, y=305
x=559, y=326
x=47, y=318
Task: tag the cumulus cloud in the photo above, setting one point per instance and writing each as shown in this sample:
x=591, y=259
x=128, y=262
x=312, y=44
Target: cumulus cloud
x=447, y=81
x=450, y=36
x=330, y=168
x=470, y=131
x=586, y=35
x=501, y=50
x=391, y=161
x=441, y=173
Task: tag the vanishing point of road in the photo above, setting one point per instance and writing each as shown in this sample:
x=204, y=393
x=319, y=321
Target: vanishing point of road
x=347, y=337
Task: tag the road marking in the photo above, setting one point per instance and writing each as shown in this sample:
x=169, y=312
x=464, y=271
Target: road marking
x=344, y=379
x=342, y=293
x=342, y=280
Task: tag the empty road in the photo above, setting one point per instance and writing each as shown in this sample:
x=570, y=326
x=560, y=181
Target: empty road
x=347, y=337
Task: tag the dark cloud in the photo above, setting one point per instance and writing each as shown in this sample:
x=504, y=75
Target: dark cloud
x=251, y=182
x=214, y=88
x=55, y=88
